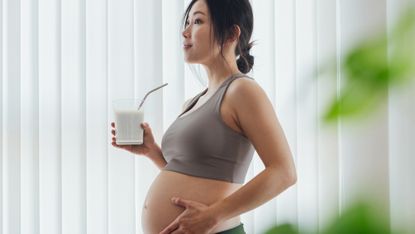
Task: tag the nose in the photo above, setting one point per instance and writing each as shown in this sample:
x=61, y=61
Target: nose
x=186, y=33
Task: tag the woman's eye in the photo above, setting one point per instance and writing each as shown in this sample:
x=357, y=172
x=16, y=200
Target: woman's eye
x=197, y=21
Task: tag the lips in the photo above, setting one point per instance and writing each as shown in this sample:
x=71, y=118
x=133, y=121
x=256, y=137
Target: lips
x=187, y=46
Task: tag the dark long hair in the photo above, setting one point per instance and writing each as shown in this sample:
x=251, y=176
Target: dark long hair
x=225, y=14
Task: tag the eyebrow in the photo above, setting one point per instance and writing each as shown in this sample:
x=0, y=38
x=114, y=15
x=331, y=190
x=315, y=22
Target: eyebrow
x=196, y=12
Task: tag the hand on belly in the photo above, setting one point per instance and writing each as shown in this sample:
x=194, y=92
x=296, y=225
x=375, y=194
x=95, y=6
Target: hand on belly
x=159, y=211
x=195, y=219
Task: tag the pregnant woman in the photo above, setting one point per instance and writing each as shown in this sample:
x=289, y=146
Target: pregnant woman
x=205, y=153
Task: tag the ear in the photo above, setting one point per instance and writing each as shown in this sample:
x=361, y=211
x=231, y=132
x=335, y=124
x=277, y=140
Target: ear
x=236, y=32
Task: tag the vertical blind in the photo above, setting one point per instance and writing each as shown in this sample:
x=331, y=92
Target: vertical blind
x=62, y=62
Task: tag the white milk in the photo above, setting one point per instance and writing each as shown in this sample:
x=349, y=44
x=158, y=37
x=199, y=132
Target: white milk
x=128, y=130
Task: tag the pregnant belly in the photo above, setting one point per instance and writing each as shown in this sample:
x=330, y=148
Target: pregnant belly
x=158, y=210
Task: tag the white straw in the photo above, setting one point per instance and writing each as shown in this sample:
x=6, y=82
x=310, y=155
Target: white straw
x=142, y=102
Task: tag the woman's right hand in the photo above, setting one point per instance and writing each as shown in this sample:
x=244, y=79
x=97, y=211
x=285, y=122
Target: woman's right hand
x=148, y=147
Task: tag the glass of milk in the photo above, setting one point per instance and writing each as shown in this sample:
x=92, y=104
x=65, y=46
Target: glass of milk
x=128, y=119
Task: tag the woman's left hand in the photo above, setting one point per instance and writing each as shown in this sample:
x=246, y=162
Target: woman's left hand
x=196, y=218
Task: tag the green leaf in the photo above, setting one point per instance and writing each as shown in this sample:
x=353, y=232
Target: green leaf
x=283, y=229
x=359, y=218
x=372, y=67
x=355, y=100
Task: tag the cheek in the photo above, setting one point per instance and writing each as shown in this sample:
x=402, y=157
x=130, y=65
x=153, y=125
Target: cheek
x=199, y=36
x=202, y=35
x=202, y=39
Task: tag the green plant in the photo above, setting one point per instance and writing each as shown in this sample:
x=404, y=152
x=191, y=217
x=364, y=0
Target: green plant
x=373, y=66
x=283, y=228
x=360, y=217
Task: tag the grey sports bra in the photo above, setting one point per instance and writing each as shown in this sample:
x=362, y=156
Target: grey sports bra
x=201, y=144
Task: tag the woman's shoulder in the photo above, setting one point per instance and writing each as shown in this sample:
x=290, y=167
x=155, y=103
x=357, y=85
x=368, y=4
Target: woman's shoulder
x=244, y=87
x=245, y=94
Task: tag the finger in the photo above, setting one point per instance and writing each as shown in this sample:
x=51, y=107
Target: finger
x=119, y=146
x=113, y=124
x=181, y=202
x=173, y=226
x=115, y=144
x=113, y=132
x=147, y=129
x=145, y=125
x=177, y=231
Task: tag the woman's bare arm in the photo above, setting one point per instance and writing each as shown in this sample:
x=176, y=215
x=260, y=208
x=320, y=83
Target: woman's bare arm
x=256, y=116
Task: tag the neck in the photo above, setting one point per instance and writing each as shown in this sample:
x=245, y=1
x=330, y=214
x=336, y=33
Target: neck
x=218, y=71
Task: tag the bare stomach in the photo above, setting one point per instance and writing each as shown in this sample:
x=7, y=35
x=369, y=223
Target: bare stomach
x=158, y=211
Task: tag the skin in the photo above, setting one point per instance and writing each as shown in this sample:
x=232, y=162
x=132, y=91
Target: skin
x=212, y=212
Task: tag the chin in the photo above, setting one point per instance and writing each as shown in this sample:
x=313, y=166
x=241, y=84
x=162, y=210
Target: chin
x=191, y=61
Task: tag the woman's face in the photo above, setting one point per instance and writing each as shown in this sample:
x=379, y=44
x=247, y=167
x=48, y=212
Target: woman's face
x=198, y=42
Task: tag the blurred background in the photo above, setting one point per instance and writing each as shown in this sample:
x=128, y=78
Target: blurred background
x=338, y=73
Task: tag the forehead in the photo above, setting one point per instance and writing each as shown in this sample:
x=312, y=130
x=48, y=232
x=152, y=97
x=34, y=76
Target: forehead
x=199, y=6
